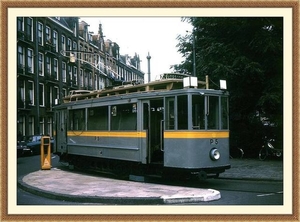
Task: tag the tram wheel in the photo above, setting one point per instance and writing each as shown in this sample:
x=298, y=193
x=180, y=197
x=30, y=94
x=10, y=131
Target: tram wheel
x=202, y=176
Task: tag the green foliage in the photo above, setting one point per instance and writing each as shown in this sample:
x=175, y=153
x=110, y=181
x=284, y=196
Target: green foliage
x=248, y=53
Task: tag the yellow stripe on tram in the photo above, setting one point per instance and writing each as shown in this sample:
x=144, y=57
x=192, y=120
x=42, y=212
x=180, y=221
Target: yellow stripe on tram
x=193, y=134
x=137, y=134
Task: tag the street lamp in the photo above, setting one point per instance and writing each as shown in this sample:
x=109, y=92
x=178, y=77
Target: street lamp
x=194, y=52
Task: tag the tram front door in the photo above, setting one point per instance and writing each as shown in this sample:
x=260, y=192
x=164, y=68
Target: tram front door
x=153, y=119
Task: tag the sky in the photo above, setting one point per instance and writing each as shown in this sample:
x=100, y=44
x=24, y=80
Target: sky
x=143, y=35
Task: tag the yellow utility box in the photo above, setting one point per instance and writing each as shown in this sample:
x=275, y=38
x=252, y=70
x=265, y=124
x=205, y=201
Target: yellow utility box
x=46, y=153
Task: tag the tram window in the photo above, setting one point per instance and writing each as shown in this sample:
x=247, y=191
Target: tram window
x=170, y=118
x=182, y=110
x=98, y=118
x=213, y=112
x=224, y=104
x=198, y=114
x=77, y=119
x=124, y=117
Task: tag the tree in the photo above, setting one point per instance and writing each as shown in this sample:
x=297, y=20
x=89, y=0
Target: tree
x=248, y=53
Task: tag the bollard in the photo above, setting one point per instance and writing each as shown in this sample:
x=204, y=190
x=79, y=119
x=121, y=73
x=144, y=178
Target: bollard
x=45, y=157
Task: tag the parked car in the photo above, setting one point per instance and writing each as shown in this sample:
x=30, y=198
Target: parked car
x=19, y=149
x=22, y=149
x=33, y=143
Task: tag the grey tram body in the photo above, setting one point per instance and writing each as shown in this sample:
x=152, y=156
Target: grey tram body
x=148, y=128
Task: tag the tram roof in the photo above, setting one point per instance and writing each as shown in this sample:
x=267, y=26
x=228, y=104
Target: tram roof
x=167, y=82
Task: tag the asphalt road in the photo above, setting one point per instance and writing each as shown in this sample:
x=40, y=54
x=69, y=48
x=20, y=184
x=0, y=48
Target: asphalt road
x=233, y=192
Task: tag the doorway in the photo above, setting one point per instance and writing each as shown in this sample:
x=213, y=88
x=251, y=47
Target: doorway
x=154, y=122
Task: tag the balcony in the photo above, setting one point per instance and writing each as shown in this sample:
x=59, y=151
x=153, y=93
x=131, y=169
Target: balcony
x=87, y=66
x=22, y=36
x=50, y=48
x=21, y=70
x=49, y=109
x=23, y=105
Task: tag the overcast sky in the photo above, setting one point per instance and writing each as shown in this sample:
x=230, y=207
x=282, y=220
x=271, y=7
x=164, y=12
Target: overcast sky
x=143, y=35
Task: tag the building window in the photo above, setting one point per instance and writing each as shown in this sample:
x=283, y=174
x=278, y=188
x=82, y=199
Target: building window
x=49, y=126
x=42, y=125
x=30, y=60
x=64, y=92
x=48, y=66
x=70, y=73
x=31, y=92
x=29, y=29
x=64, y=72
x=41, y=64
x=80, y=54
x=20, y=24
x=63, y=44
x=74, y=46
x=21, y=126
x=86, y=79
x=21, y=57
x=91, y=57
x=75, y=29
x=96, y=81
x=56, y=94
x=91, y=79
x=85, y=54
x=55, y=68
x=69, y=44
x=55, y=40
x=22, y=91
x=42, y=95
x=50, y=96
x=81, y=78
x=48, y=35
x=40, y=33
x=75, y=75
x=31, y=125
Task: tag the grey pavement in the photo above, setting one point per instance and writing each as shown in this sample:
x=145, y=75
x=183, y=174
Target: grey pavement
x=75, y=186
x=254, y=169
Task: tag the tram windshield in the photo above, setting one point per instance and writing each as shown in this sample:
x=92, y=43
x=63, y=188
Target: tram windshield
x=202, y=113
x=209, y=112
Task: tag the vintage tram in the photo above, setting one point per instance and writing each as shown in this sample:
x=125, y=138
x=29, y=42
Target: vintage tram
x=163, y=127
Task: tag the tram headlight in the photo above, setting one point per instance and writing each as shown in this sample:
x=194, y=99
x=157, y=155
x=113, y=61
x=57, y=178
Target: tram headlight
x=215, y=154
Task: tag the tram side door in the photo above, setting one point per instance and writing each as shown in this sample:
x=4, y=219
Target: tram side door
x=61, y=131
x=154, y=130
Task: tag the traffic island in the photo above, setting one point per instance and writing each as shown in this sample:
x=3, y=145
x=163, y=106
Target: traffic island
x=76, y=187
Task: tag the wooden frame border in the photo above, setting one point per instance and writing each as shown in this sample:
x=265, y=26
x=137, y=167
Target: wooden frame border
x=123, y=4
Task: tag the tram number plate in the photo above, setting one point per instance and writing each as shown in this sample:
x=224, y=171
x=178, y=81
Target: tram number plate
x=213, y=141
